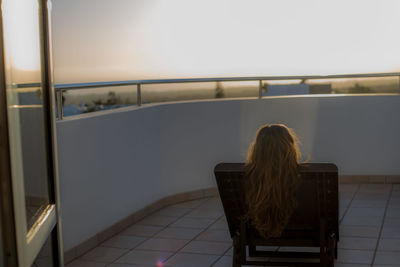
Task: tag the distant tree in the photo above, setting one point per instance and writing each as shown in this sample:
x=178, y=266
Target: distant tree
x=112, y=98
x=39, y=93
x=265, y=88
x=219, y=91
x=360, y=89
x=101, y=104
x=98, y=102
x=88, y=109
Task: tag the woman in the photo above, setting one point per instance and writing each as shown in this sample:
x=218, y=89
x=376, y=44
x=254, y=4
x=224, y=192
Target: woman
x=272, y=179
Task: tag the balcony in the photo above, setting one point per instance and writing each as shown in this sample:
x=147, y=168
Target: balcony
x=134, y=185
x=140, y=178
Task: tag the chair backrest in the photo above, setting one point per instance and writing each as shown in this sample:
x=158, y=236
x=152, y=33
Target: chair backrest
x=317, y=197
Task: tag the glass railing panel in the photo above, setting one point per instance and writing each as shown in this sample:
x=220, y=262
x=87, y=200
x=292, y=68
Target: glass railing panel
x=236, y=89
x=97, y=97
x=158, y=93
x=81, y=101
x=379, y=85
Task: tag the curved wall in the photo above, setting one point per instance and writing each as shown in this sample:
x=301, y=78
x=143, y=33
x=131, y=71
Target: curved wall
x=113, y=164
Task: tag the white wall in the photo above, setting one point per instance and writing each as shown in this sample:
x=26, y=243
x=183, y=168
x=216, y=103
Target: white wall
x=114, y=163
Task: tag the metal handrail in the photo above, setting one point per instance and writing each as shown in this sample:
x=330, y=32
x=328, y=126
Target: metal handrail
x=61, y=88
x=72, y=86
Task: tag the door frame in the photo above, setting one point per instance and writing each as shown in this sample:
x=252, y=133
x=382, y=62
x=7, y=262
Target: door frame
x=15, y=238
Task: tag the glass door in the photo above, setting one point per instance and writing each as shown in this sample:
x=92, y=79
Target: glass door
x=30, y=127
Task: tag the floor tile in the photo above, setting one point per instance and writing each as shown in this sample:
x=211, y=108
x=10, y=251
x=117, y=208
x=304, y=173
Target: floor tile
x=190, y=204
x=339, y=264
x=346, y=195
x=123, y=241
x=144, y=257
x=356, y=220
x=206, y=247
x=220, y=224
x=208, y=214
x=363, y=217
x=344, y=201
x=357, y=203
x=387, y=257
x=178, y=233
x=128, y=265
x=342, y=212
x=200, y=223
x=391, y=222
x=391, y=232
x=396, y=194
x=375, y=188
x=161, y=244
x=172, y=211
x=394, y=204
x=210, y=208
x=213, y=203
x=84, y=263
x=104, y=254
x=191, y=260
x=359, y=231
x=346, y=188
x=373, y=212
x=215, y=235
x=142, y=230
x=371, y=196
x=393, y=212
x=157, y=220
x=355, y=256
x=225, y=261
x=389, y=245
x=229, y=252
x=395, y=201
x=360, y=243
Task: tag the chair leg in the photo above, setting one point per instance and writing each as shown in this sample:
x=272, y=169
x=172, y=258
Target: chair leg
x=323, y=244
x=331, y=250
x=236, y=253
x=336, y=250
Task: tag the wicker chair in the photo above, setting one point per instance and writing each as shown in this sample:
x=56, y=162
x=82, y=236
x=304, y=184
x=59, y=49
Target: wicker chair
x=313, y=224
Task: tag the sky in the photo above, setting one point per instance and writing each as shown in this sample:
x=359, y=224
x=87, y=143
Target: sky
x=104, y=40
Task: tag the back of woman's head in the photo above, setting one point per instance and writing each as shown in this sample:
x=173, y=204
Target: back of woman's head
x=272, y=179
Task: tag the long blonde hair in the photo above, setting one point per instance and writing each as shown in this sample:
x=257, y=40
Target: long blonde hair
x=272, y=178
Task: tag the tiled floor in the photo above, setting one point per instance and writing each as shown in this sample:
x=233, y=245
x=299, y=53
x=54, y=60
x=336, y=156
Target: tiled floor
x=195, y=233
